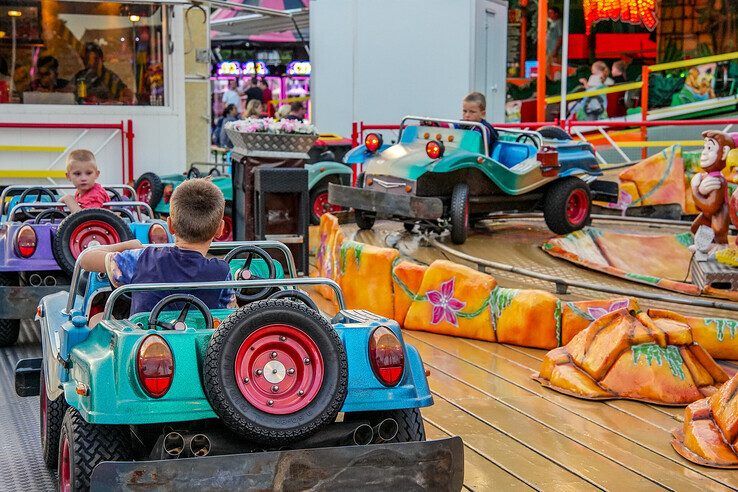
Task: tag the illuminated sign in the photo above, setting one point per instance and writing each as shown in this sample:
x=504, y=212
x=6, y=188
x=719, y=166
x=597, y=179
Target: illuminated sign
x=630, y=11
x=254, y=68
x=299, y=68
x=229, y=68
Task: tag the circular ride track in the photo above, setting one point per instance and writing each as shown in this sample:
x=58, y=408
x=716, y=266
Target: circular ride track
x=516, y=242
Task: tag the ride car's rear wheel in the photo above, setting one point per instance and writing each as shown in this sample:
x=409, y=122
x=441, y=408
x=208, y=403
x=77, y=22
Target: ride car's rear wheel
x=9, y=328
x=365, y=220
x=275, y=372
x=409, y=422
x=459, y=213
x=94, y=226
x=83, y=445
x=554, y=132
x=567, y=205
x=51, y=414
x=319, y=203
x=149, y=188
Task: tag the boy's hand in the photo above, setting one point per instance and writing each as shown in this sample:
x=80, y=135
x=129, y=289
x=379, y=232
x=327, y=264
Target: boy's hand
x=94, y=260
x=71, y=203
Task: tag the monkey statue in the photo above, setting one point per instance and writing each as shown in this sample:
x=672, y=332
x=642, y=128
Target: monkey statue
x=710, y=188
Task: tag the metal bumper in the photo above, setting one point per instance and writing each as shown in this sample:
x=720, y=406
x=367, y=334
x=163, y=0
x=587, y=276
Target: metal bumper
x=20, y=302
x=386, y=204
x=429, y=465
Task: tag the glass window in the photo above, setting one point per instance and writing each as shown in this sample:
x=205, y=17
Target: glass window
x=66, y=52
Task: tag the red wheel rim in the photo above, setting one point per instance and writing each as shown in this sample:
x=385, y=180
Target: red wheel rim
x=65, y=467
x=143, y=190
x=92, y=233
x=227, y=229
x=279, y=369
x=322, y=206
x=577, y=207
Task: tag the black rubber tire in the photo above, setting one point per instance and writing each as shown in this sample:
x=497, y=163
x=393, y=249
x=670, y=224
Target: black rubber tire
x=60, y=246
x=91, y=444
x=365, y=220
x=317, y=190
x=54, y=415
x=555, y=204
x=236, y=412
x=409, y=226
x=554, y=132
x=410, y=426
x=296, y=296
x=157, y=187
x=459, y=212
x=9, y=328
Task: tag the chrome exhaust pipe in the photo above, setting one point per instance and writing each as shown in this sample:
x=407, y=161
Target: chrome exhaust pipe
x=50, y=281
x=363, y=435
x=174, y=444
x=385, y=431
x=199, y=445
x=35, y=279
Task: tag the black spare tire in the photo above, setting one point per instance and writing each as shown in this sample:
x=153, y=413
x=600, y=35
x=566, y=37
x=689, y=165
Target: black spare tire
x=554, y=132
x=87, y=228
x=275, y=372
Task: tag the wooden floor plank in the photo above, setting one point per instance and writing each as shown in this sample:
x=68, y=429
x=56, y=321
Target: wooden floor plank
x=447, y=372
x=480, y=473
x=521, y=462
x=635, y=428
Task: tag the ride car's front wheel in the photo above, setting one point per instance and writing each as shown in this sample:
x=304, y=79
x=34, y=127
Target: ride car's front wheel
x=9, y=328
x=83, y=445
x=365, y=220
x=567, y=205
x=410, y=426
x=275, y=372
x=51, y=414
x=459, y=213
x=319, y=203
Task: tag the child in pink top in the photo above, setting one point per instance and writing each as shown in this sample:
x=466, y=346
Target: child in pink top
x=82, y=172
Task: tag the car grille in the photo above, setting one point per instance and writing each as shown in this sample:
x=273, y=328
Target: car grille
x=389, y=184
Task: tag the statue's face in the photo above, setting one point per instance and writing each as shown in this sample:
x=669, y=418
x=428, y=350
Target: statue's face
x=711, y=154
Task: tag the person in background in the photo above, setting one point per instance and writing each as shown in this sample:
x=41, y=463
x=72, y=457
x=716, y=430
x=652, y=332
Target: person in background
x=230, y=113
x=554, y=35
x=231, y=97
x=266, y=92
x=47, y=76
x=254, y=109
x=96, y=84
x=618, y=72
x=592, y=108
x=282, y=112
x=253, y=92
x=297, y=111
x=599, y=78
x=82, y=172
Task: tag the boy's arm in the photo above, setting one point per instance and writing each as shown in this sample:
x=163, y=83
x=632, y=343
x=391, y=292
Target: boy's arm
x=71, y=203
x=94, y=260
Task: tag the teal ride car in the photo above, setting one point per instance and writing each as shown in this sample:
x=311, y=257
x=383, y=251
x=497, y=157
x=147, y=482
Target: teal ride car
x=447, y=174
x=272, y=395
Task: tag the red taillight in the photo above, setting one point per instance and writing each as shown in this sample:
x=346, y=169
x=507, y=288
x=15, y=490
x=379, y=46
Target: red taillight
x=25, y=241
x=386, y=356
x=167, y=193
x=155, y=366
x=373, y=142
x=434, y=149
x=158, y=235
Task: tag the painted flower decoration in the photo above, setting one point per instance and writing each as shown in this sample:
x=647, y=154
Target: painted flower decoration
x=624, y=201
x=598, y=312
x=321, y=249
x=444, y=303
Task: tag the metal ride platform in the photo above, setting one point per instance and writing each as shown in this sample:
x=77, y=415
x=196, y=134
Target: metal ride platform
x=21, y=465
x=710, y=273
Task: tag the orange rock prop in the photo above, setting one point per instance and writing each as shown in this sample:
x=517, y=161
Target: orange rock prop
x=709, y=435
x=365, y=274
x=632, y=356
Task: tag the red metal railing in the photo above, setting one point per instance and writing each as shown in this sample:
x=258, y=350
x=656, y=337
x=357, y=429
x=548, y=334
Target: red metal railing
x=124, y=127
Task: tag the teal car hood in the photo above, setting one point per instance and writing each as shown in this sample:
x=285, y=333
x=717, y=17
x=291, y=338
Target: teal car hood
x=406, y=161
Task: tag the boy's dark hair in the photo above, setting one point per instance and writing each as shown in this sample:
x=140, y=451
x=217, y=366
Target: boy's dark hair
x=296, y=106
x=477, y=97
x=48, y=61
x=254, y=81
x=228, y=109
x=196, y=209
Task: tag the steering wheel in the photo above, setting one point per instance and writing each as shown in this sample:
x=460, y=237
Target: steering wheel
x=247, y=295
x=193, y=173
x=50, y=213
x=39, y=192
x=524, y=136
x=126, y=213
x=179, y=323
x=116, y=196
x=296, y=295
x=214, y=172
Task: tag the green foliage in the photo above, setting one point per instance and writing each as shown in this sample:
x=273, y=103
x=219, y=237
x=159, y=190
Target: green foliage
x=654, y=353
x=721, y=325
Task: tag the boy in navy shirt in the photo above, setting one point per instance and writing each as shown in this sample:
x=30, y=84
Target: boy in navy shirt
x=474, y=108
x=196, y=217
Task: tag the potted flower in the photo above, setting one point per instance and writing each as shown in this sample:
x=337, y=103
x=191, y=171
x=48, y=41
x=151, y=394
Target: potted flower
x=266, y=137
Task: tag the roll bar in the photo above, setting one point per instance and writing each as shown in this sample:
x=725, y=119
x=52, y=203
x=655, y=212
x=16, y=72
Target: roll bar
x=236, y=284
x=6, y=191
x=291, y=269
x=110, y=205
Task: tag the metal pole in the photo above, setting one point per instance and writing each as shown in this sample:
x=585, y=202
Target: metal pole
x=541, y=79
x=564, y=61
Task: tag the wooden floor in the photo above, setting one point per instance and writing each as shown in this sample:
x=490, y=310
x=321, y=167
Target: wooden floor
x=519, y=435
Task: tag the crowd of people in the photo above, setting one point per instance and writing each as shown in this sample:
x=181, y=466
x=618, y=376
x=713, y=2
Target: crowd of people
x=258, y=95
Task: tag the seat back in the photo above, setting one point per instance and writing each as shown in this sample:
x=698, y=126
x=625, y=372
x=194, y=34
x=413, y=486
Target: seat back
x=511, y=153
